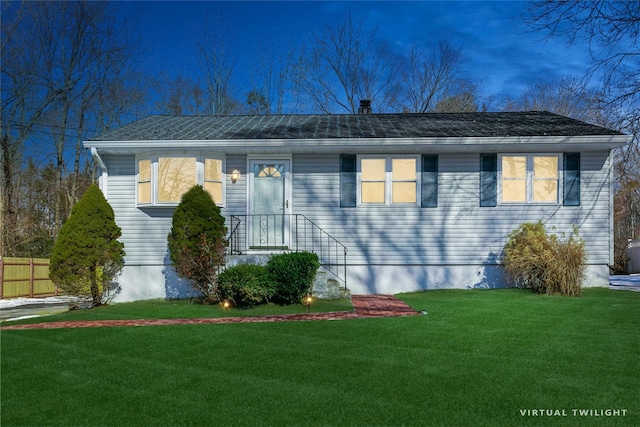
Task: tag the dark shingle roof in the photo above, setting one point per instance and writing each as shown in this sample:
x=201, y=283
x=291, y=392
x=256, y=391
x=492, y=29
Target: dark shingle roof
x=324, y=126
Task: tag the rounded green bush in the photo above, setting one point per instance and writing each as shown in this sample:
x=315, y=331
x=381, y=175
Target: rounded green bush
x=294, y=274
x=246, y=285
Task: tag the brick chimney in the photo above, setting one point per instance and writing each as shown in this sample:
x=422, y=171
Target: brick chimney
x=365, y=107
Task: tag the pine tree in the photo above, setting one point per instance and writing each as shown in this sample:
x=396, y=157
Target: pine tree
x=87, y=257
x=197, y=241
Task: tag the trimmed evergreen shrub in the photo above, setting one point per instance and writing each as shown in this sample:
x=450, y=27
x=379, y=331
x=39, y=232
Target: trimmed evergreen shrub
x=293, y=273
x=246, y=285
x=197, y=242
x=542, y=262
x=87, y=257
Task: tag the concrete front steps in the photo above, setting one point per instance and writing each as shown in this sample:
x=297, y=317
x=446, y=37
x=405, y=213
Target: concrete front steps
x=326, y=287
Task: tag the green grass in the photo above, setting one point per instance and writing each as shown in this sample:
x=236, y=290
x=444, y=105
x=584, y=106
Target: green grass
x=476, y=359
x=179, y=309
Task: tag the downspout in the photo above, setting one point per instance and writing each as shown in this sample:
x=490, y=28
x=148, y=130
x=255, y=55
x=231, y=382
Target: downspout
x=611, y=214
x=103, y=181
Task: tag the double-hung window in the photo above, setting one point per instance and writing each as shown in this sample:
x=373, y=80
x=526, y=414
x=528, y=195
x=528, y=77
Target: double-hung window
x=388, y=180
x=162, y=180
x=530, y=178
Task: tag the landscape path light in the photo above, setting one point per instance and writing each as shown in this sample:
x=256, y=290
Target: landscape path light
x=307, y=303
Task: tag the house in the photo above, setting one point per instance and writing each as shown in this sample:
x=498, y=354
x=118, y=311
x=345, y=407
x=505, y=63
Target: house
x=390, y=202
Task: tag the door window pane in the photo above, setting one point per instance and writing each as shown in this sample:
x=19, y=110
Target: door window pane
x=273, y=170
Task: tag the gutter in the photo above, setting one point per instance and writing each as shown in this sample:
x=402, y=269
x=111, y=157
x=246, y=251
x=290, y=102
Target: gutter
x=361, y=145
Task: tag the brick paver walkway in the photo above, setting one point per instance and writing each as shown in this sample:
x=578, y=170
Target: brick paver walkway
x=365, y=306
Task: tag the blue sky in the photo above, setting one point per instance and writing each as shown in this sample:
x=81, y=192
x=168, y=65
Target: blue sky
x=503, y=56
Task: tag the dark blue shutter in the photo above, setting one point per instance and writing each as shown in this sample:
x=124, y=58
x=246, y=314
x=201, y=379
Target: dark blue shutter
x=488, y=180
x=571, y=179
x=429, y=181
x=348, y=181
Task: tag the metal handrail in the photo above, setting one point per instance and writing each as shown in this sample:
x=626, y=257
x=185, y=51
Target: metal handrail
x=287, y=232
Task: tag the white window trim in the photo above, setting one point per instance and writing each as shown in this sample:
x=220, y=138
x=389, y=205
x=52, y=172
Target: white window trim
x=200, y=158
x=388, y=183
x=529, y=183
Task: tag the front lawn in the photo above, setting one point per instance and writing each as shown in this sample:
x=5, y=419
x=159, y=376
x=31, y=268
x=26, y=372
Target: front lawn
x=478, y=358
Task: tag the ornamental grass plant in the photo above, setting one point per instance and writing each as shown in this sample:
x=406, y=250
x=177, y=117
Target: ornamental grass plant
x=543, y=262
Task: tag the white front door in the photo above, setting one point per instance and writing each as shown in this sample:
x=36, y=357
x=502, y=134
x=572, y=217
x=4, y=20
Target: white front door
x=269, y=204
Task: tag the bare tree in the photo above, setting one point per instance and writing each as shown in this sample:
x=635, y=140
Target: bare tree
x=24, y=101
x=344, y=64
x=568, y=96
x=271, y=78
x=61, y=60
x=465, y=102
x=428, y=76
x=257, y=103
x=217, y=58
x=180, y=95
x=611, y=29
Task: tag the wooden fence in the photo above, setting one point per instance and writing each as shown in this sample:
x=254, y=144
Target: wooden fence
x=25, y=277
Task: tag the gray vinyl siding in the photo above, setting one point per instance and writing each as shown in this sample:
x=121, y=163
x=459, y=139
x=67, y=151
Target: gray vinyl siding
x=144, y=230
x=458, y=231
x=236, y=198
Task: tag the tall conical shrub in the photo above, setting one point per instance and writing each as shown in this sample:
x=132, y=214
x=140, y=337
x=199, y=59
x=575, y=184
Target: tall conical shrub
x=87, y=257
x=197, y=241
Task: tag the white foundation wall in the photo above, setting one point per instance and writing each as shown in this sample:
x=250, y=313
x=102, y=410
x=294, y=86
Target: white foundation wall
x=391, y=279
x=152, y=282
x=140, y=282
